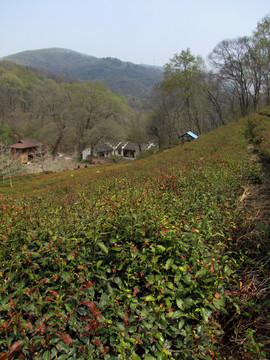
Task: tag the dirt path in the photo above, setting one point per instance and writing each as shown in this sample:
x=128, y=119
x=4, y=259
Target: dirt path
x=254, y=242
x=255, y=201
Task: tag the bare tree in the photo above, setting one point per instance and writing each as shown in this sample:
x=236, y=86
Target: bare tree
x=8, y=166
x=261, y=43
x=229, y=57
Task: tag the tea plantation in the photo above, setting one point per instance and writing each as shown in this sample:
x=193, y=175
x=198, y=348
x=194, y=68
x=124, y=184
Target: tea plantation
x=132, y=261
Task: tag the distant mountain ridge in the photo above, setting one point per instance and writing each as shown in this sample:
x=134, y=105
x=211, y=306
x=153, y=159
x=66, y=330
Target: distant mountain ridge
x=121, y=77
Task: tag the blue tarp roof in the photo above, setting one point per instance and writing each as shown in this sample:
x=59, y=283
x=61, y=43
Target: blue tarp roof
x=190, y=133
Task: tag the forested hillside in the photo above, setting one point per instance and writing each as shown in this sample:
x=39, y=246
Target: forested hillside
x=121, y=77
x=65, y=116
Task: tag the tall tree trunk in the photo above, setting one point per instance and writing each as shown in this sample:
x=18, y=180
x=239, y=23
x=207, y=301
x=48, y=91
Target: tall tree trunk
x=58, y=141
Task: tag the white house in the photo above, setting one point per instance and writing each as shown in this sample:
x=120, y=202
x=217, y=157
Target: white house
x=127, y=149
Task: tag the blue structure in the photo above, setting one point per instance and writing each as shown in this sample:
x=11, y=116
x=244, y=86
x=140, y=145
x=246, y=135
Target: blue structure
x=190, y=133
x=188, y=136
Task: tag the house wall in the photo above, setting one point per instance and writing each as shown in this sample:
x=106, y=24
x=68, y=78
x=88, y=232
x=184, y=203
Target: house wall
x=22, y=155
x=103, y=153
x=86, y=153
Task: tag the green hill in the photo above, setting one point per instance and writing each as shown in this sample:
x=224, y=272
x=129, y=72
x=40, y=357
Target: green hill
x=121, y=77
x=153, y=259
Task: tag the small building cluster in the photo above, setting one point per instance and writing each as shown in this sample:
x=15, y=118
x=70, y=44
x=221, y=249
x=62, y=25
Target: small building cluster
x=123, y=149
x=25, y=151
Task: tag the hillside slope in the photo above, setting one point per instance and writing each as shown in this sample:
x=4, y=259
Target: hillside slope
x=121, y=77
x=146, y=260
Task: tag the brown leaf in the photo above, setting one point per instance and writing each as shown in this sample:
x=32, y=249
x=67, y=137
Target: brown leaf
x=42, y=281
x=3, y=356
x=92, y=324
x=212, y=353
x=66, y=338
x=92, y=306
x=126, y=321
x=41, y=327
x=17, y=346
x=54, y=292
x=12, y=304
x=104, y=350
x=97, y=342
x=135, y=292
x=217, y=295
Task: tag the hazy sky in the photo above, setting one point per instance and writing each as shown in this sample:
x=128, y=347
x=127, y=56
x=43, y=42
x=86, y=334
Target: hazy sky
x=140, y=31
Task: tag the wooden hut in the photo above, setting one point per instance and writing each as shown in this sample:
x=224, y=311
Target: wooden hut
x=26, y=150
x=187, y=136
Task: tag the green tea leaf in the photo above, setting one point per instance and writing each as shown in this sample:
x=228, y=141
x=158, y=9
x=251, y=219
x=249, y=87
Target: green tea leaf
x=237, y=307
x=144, y=313
x=201, y=272
x=99, y=263
x=218, y=303
x=160, y=337
x=169, y=263
x=181, y=324
x=135, y=356
x=188, y=302
x=155, y=259
x=66, y=277
x=68, y=307
x=160, y=247
x=46, y=355
x=70, y=256
x=180, y=303
x=103, y=247
x=149, y=298
x=149, y=357
x=170, y=285
x=205, y=313
x=227, y=270
x=177, y=314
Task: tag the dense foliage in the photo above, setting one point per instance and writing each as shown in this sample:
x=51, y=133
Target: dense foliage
x=125, y=261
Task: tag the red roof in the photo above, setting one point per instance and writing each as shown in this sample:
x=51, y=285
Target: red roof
x=24, y=144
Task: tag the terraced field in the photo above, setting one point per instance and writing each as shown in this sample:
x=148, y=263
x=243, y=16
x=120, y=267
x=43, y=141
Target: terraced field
x=138, y=261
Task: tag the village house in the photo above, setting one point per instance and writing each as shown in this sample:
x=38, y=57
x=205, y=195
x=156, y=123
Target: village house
x=100, y=150
x=187, y=136
x=103, y=150
x=130, y=149
x=26, y=150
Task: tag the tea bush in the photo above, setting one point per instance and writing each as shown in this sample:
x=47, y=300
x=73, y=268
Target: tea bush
x=125, y=261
